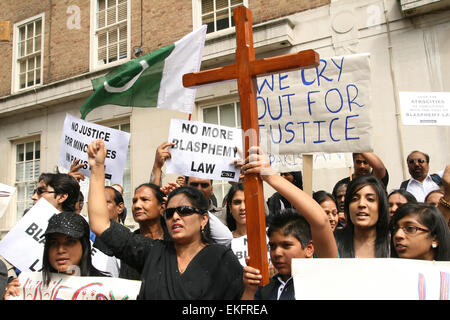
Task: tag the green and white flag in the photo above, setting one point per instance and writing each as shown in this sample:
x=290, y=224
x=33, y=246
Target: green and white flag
x=153, y=80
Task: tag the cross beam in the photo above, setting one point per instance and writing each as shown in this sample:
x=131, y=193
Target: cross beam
x=245, y=71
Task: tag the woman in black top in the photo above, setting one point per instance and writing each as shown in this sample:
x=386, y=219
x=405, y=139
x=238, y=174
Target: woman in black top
x=186, y=267
x=366, y=234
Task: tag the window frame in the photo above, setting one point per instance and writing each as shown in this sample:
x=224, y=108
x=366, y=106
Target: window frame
x=197, y=16
x=15, y=72
x=33, y=181
x=93, y=46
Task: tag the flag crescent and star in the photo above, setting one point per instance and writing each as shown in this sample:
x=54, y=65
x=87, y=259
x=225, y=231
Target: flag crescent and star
x=152, y=80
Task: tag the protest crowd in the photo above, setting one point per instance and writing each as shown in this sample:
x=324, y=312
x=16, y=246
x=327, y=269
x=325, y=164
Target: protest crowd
x=189, y=244
x=192, y=245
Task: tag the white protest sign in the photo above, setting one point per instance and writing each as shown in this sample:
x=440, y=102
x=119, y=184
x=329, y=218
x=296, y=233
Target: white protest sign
x=105, y=263
x=6, y=193
x=325, y=109
x=23, y=245
x=321, y=160
x=370, y=279
x=425, y=108
x=65, y=287
x=78, y=134
x=240, y=249
x=204, y=150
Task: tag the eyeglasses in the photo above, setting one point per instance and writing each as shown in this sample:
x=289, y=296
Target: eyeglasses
x=40, y=191
x=412, y=161
x=409, y=230
x=204, y=185
x=182, y=211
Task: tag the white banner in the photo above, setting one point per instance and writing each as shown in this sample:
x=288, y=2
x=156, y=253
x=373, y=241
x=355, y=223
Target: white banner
x=325, y=109
x=240, y=249
x=64, y=287
x=6, y=193
x=203, y=150
x=370, y=279
x=78, y=134
x=425, y=108
x=23, y=245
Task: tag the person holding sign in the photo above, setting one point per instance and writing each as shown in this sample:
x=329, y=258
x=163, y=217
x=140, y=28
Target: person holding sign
x=186, y=267
x=60, y=189
x=367, y=163
x=366, y=234
x=291, y=234
x=419, y=231
x=67, y=249
x=219, y=231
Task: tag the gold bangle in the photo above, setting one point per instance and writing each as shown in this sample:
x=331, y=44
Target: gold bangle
x=444, y=203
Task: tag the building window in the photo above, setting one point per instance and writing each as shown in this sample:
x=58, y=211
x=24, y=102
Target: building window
x=218, y=14
x=28, y=53
x=28, y=156
x=111, y=35
x=228, y=114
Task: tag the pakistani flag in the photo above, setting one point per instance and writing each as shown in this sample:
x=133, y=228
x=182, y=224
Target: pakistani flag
x=153, y=80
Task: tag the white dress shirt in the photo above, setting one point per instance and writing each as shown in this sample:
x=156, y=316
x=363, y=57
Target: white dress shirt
x=421, y=189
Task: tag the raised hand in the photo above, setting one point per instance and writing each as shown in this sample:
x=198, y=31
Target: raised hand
x=257, y=162
x=162, y=154
x=74, y=171
x=96, y=153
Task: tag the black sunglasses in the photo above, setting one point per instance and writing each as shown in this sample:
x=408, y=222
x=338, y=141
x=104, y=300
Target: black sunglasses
x=412, y=161
x=40, y=191
x=204, y=185
x=181, y=210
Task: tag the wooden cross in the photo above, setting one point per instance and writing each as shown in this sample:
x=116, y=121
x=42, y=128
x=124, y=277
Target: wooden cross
x=245, y=71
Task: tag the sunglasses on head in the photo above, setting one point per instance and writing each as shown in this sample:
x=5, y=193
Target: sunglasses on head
x=182, y=211
x=40, y=191
x=412, y=161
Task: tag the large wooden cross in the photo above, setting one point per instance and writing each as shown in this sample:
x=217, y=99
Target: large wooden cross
x=245, y=71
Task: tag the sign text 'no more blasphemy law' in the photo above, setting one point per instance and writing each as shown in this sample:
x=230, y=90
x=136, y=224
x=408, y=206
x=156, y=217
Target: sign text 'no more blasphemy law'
x=204, y=150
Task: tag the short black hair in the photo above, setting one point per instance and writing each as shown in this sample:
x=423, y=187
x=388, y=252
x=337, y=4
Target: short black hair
x=63, y=183
x=291, y=222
